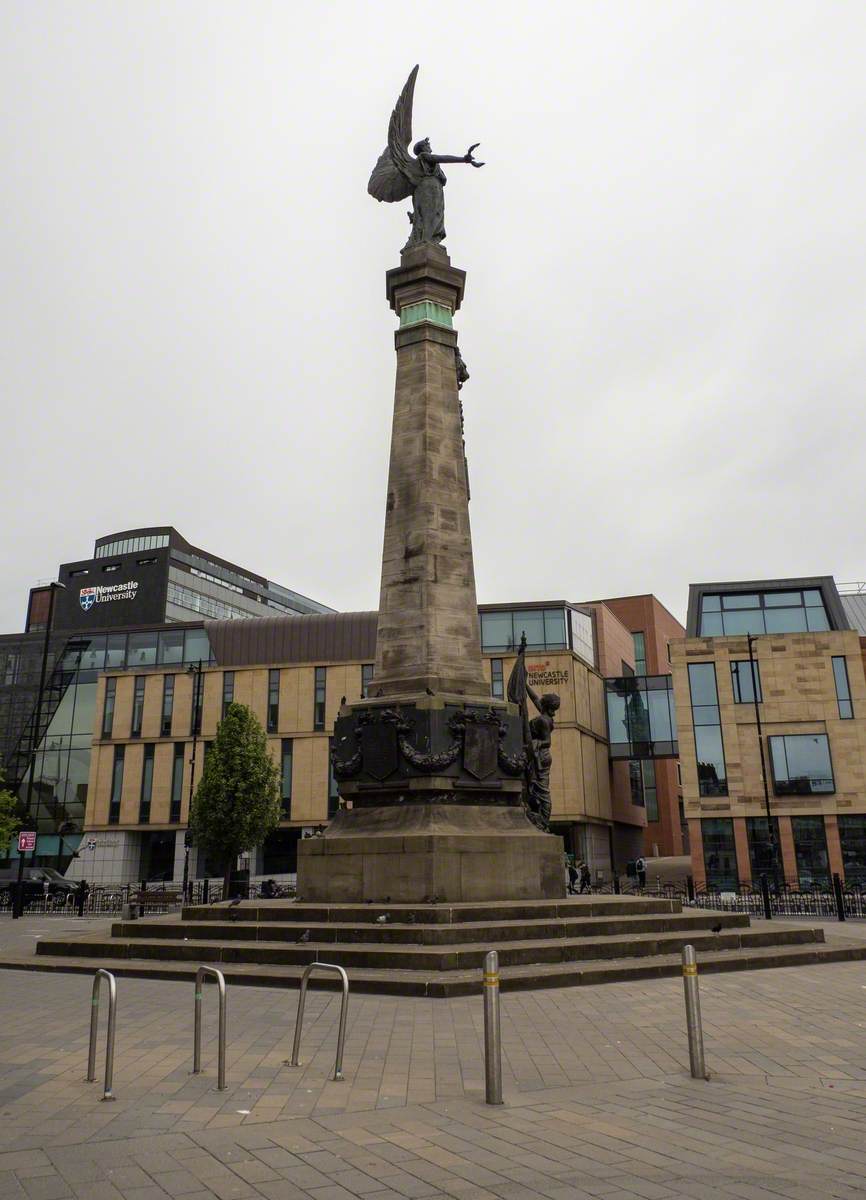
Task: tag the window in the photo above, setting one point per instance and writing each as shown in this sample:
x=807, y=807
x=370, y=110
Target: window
x=843, y=691
x=177, y=782
x=93, y=655
x=763, y=612
x=720, y=855
x=116, y=785
x=626, y=669
x=650, y=792
x=709, y=748
x=319, y=699
x=366, y=680
x=286, y=776
x=635, y=782
x=761, y=856
x=112, y=567
x=146, y=562
x=171, y=646
x=741, y=681
x=810, y=848
x=333, y=786
x=167, y=705
x=196, y=646
x=273, y=700
x=233, y=587
x=641, y=716
x=852, y=836
x=80, y=571
x=137, y=706
x=228, y=691
x=497, y=683
x=639, y=653
x=801, y=764
x=544, y=629
x=679, y=774
x=197, y=602
x=108, y=708
x=141, y=651
x=125, y=545
x=115, y=651
x=146, y=785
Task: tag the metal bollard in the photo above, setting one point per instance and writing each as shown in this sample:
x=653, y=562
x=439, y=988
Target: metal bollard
x=344, y=1008
x=693, y=1014
x=492, y=1033
x=94, y=1023
x=201, y=975
x=838, y=897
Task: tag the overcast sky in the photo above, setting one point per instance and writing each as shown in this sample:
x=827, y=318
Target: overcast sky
x=665, y=313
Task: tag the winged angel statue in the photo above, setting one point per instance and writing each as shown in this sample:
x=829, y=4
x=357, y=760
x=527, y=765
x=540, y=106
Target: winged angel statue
x=397, y=174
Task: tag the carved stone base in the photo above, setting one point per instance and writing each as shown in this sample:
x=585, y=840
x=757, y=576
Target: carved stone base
x=409, y=853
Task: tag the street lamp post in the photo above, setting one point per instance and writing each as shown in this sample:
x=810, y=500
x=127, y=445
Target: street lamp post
x=195, y=670
x=771, y=835
x=18, y=906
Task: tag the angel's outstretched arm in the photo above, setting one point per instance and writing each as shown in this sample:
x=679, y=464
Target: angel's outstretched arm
x=453, y=158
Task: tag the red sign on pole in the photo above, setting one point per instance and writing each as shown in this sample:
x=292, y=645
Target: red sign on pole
x=26, y=841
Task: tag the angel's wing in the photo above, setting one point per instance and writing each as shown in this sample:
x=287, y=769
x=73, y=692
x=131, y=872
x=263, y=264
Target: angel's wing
x=396, y=173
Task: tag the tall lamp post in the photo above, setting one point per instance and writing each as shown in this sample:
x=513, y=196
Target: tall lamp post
x=54, y=587
x=771, y=835
x=193, y=669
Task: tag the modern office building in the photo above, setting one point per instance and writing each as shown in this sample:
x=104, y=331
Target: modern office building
x=771, y=708
x=293, y=673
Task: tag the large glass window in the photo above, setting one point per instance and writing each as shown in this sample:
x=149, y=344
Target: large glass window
x=141, y=650
x=497, y=682
x=582, y=640
x=286, y=776
x=810, y=847
x=108, y=707
x=763, y=612
x=137, y=706
x=852, y=835
x=228, y=691
x=167, y=705
x=741, y=681
x=641, y=716
x=639, y=653
x=171, y=646
x=319, y=699
x=116, y=785
x=93, y=655
x=709, y=748
x=115, y=652
x=761, y=856
x=720, y=854
x=196, y=646
x=366, y=679
x=146, y=785
x=650, y=791
x=843, y=690
x=273, y=700
x=544, y=629
x=177, y=782
x=801, y=764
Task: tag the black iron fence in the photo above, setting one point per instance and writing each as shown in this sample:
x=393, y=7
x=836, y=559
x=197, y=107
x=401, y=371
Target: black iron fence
x=835, y=903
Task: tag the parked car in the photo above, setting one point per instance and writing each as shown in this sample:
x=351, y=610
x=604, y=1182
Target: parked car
x=34, y=881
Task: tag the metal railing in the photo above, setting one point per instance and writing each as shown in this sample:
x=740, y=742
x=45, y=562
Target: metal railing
x=828, y=903
x=201, y=974
x=94, y=1023
x=344, y=1006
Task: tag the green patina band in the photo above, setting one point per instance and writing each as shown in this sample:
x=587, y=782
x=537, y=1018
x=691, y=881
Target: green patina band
x=426, y=310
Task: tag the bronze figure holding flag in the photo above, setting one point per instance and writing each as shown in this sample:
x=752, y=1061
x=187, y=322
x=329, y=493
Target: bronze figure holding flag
x=537, y=737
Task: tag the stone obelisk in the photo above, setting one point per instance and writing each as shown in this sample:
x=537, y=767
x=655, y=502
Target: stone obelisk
x=429, y=766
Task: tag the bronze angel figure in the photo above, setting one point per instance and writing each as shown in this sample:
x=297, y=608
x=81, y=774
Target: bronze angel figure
x=397, y=174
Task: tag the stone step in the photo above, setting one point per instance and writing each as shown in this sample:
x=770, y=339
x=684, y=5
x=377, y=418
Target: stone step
x=464, y=982
x=299, y=912
x=429, y=935
x=439, y=958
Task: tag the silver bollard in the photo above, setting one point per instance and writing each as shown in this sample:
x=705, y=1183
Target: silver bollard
x=492, y=1034
x=344, y=1007
x=200, y=977
x=693, y=1014
x=94, y=1023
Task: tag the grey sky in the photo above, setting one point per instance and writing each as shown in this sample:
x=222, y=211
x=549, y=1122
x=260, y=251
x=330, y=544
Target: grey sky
x=665, y=308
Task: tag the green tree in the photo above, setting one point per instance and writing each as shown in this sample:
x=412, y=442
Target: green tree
x=9, y=823
x=237, y=801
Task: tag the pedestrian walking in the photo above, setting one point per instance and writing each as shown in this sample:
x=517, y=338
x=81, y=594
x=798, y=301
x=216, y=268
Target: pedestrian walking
x=573, y=876
x=81, y=894
x=585, y=878
x=640, y=871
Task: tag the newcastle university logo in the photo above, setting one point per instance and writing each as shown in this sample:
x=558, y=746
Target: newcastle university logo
x=89, y=596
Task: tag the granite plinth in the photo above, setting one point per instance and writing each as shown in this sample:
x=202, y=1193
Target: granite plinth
x=412, y=852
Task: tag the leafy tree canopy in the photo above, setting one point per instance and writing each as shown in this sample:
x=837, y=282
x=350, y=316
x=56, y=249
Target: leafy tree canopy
x=237, y=801
x=9, y=823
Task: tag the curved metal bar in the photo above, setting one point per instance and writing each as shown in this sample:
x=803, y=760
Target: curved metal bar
x=344, y=1007
x=201, y=974
x=94, y=1024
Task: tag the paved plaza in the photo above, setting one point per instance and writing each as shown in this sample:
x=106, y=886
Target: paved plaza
x=599, y=1101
